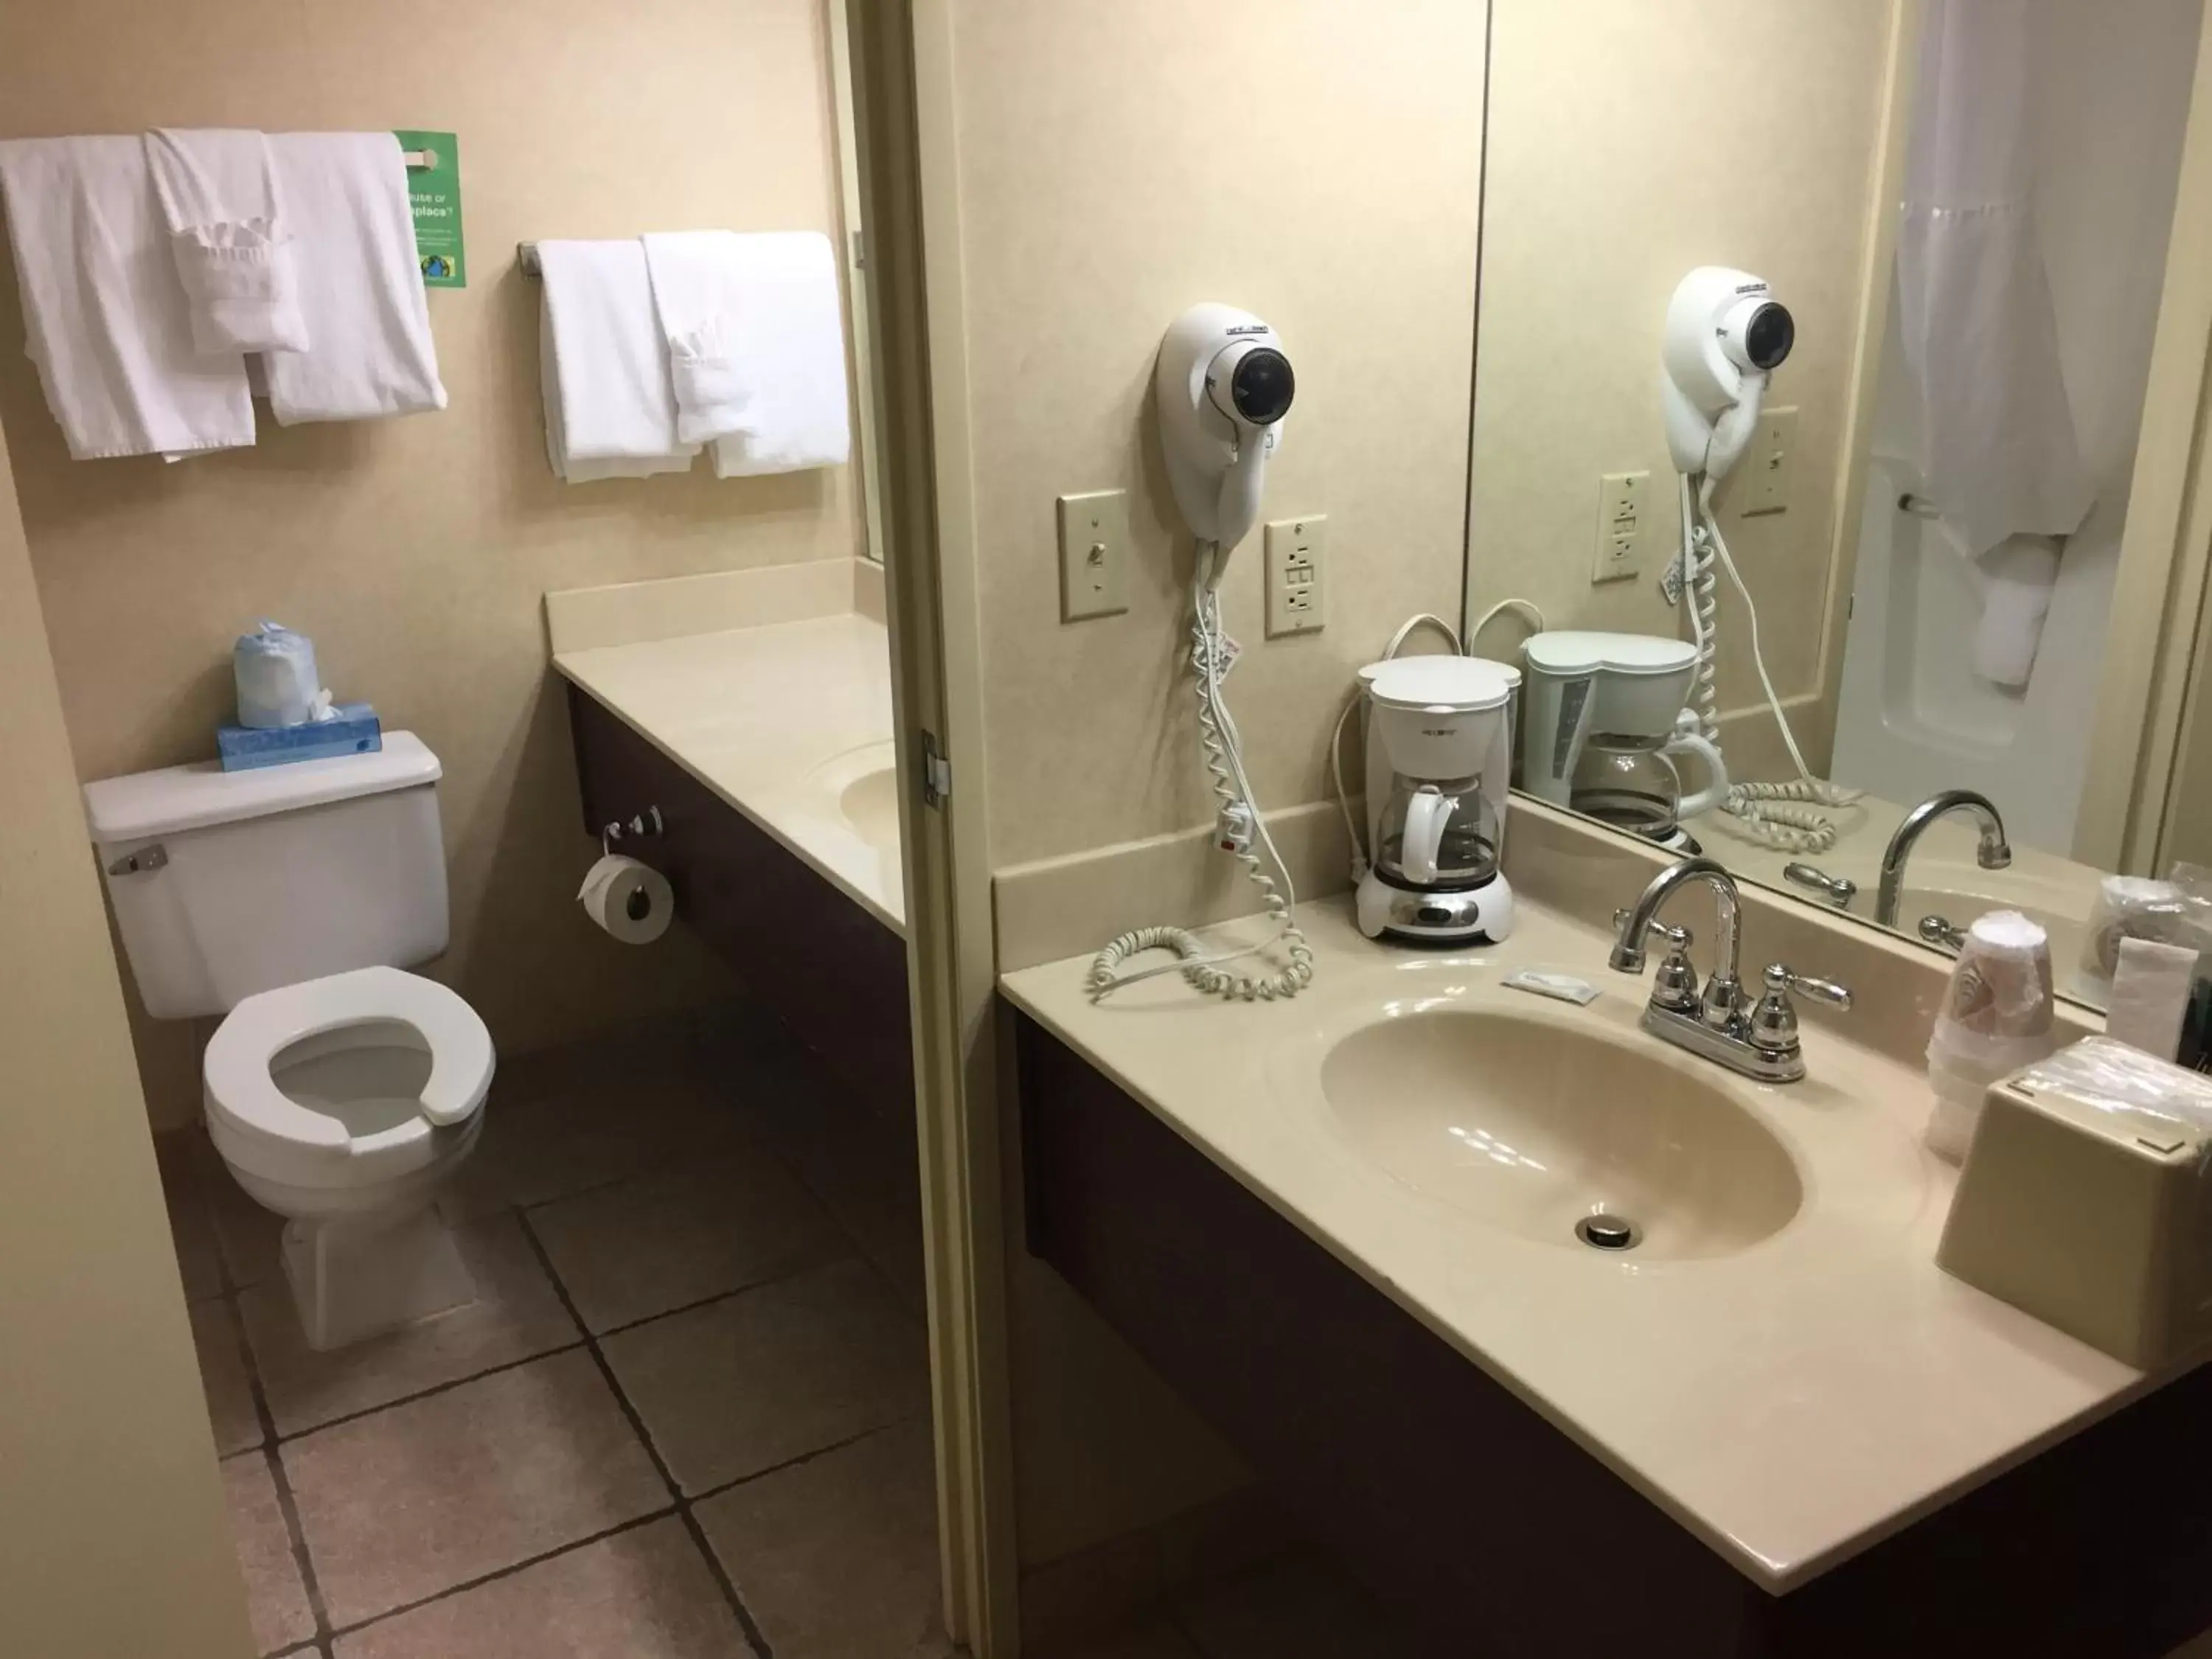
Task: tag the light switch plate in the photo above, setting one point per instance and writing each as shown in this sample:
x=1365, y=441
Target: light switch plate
x=1624, y=514
x=1094, y=555
x=1770, y=464
x=1297, y=592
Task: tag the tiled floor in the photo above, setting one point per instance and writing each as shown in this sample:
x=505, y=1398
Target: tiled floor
x=684, y=1419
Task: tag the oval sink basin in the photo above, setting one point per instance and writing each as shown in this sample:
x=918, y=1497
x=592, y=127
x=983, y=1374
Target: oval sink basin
x=870, y=805
x=861, y=787
x=1534, y=1127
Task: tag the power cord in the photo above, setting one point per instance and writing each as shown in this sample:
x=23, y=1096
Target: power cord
x=1223, y=751
x=1777, y=815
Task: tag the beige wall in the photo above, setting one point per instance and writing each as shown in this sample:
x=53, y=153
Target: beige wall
x=1106, y=183
x=112, y=1539
x=1317, y=163
x=415, y=552
x=1627, y=144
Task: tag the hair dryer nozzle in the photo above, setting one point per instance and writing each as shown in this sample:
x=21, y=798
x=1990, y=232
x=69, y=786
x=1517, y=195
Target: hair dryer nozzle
x=1222, y=384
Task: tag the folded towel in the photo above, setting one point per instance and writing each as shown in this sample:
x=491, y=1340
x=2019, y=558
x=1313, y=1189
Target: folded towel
x=105, y=318
x=359, y=282
x=776, y=339
x=233, y=248
x=609, y=410
x=699, y=294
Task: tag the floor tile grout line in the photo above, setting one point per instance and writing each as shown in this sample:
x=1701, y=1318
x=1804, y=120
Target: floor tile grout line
x=634, y=1524
x=729, y=1295
x=279, y=1479
x=754, y=1636
x=294, y=1437
x=848, y=1442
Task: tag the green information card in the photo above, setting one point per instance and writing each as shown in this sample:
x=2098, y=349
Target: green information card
x=434, y=187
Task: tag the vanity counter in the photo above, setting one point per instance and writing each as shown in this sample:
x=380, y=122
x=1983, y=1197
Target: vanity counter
x=789, y=724
x=1790, y=1404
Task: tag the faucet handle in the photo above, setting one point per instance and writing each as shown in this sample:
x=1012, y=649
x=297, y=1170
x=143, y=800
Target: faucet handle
x=1678, y=940
x=1781, y=978
x=1838, y=891
x=1674, y=984
x=1774, y=1021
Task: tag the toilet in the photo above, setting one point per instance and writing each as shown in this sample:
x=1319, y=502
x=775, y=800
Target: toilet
x=342, y=1092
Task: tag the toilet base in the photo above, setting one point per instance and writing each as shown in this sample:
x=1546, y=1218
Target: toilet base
x=355, y=1276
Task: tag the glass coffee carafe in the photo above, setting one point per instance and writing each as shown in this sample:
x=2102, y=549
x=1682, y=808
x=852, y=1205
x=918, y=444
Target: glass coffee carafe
x=1437, y=832
x=1634, y=784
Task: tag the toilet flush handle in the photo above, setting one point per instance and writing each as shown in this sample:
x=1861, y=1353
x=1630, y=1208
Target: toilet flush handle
x=140, y=862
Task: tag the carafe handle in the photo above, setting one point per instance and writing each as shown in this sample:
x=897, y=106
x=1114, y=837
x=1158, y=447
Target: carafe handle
x=1428, y=809
x=1686, y=742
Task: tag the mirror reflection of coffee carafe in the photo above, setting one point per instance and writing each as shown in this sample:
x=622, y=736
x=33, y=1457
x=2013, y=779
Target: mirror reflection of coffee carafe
x=1439, y=760
x=1602, y=731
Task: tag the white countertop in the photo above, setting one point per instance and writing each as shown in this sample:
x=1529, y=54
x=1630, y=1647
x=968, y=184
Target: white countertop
x=789, y=723
x=1791, y=1404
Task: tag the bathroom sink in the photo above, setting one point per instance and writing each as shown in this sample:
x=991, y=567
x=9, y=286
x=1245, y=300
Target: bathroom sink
x=862, y=789
x=1536, y=1125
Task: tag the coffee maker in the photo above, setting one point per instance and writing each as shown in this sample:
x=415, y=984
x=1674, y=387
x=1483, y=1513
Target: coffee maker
x=1601, y=731
x=1439, y=763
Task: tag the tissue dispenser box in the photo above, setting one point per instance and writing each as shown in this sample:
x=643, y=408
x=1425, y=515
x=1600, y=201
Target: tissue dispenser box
x=355, y=730
x=2084, y=1201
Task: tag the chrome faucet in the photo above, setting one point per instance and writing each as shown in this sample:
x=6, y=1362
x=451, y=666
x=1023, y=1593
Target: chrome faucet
x=1759, y=1040
x=1993, y=852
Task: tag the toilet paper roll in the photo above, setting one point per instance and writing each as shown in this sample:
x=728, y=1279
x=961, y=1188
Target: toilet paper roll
x=629, y=900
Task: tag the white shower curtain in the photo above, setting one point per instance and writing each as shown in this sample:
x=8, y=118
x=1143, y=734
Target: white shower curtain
x=1999, y=457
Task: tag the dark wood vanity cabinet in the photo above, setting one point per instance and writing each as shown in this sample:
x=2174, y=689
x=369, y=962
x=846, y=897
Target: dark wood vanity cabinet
x=834, y=973
x=1498, y=1537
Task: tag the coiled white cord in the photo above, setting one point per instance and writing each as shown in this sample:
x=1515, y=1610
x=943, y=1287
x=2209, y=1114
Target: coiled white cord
x=1777, y=815
x=1223, y=751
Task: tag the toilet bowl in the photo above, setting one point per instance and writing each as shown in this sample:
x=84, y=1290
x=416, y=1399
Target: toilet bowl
x=343, y=1103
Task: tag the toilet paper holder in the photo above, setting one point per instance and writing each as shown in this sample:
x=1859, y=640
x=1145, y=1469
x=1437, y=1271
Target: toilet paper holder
x=641, y=824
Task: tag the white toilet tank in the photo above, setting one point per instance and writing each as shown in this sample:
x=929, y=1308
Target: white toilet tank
x=226, y=884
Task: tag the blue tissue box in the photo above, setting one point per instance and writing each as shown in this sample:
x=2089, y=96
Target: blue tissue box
x=355, y=731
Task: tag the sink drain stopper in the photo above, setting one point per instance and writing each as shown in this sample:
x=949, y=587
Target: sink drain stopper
x=1609, y=1232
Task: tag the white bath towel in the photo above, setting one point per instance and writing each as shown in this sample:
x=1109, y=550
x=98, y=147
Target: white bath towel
x=699, y=293
x=104, y=315
x=230, y=240
x=360, y=280
x=782, y=333
x=2019, y=575
x=609, y=410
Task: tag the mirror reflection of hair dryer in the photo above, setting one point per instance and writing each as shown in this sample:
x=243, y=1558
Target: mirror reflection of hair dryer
x=1725, y=336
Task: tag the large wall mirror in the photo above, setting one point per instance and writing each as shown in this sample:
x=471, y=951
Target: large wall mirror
x=1867, y=296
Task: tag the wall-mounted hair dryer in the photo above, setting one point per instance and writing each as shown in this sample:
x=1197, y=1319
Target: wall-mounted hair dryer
x=1224, y=386
x=1725, y=333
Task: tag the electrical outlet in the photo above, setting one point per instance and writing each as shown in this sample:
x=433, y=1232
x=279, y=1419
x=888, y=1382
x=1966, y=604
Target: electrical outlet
x=1094, y=555
x=1296, y=594
x=1768, y=465
x=1622, y=518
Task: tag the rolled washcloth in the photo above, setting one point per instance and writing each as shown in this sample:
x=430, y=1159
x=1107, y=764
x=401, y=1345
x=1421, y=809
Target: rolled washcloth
x=1995, y=1017
x=230, y=237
